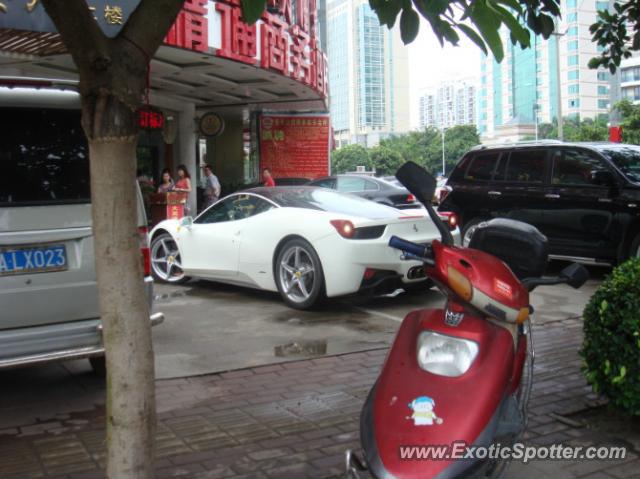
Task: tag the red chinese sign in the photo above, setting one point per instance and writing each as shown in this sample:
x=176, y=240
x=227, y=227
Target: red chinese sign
x=295, y=146
x=288, y=43
x=191, y=29
x=150, y=118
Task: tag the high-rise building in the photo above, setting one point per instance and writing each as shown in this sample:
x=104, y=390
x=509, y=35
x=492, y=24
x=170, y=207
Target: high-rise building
x=523, y=89
x=368, y=74
x=452, y=103
x=630, y=78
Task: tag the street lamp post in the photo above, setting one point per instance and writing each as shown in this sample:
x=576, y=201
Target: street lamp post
x=443, y=166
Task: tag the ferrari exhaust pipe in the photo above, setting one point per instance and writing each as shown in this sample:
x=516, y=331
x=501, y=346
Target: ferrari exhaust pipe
x=417, y=272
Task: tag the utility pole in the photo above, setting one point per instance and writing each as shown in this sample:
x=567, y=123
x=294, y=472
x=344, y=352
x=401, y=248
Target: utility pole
x=557, y=36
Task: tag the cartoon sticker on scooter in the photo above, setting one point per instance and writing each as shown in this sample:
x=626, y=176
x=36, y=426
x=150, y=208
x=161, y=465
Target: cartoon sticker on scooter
x=423, y=413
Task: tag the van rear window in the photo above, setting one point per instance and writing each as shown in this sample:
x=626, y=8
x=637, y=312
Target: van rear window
x=43, y=157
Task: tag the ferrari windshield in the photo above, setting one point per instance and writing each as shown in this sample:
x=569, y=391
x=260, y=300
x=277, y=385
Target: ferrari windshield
x=626, y=158
x=323, y=199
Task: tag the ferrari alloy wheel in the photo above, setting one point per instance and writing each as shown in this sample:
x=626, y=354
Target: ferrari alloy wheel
x=299, y=274
x=165, y=260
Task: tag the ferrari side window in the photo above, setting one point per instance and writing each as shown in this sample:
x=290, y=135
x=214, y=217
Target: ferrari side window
x=222, y=211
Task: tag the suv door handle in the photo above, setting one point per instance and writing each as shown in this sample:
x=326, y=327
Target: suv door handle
x=552, y=196
x=494, y=193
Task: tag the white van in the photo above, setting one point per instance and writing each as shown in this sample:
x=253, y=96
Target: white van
x=48, y=293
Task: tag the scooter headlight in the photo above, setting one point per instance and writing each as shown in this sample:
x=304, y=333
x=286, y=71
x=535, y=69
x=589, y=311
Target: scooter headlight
x=445, y=355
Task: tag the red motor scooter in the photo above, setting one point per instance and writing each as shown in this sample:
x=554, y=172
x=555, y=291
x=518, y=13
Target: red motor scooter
x=458, y=379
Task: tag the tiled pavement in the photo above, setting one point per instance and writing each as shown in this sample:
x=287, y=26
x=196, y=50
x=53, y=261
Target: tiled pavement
x=296, y=419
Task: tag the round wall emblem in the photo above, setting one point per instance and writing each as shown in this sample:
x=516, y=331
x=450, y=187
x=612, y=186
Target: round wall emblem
x=211, y=124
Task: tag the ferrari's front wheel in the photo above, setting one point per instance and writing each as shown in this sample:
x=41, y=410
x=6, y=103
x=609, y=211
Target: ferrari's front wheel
x=299, y=275
x=166, y=263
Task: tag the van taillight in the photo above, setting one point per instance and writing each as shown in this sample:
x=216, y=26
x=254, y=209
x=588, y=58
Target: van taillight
x=143, y=233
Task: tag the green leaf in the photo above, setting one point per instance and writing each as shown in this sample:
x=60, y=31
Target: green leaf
x=519, y=32
x=409, y=25
x=252, y=10
x=473, y=36
x=488, y=25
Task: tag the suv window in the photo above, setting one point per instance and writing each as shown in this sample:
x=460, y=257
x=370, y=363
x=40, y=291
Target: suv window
x=348, y=184
x=371, y=185
x=482, y=166
x=575, y=167
x=43, y=157
x=237, y=207
x=526, y=166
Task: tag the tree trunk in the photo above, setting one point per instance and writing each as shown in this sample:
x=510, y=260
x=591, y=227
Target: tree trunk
x=123, y=305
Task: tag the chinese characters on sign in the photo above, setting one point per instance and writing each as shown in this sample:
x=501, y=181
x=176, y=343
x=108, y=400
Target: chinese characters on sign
x=288, y=42
x=150, y=118
x=30, y=15
x=191, y=28
x=295, y=146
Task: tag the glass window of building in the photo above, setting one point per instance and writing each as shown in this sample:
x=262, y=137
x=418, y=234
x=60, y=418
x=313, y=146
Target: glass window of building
x=572, y=31
x=573, y=75
x=602, y=6
x=574, y=88
x=572, y=17
x=603, y=90
x=574, y=103
x=572, y=45
x=573, y=60
x=603, y=104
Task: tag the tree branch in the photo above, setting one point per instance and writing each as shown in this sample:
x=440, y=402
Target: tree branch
x=76, y=26
x=149, y=23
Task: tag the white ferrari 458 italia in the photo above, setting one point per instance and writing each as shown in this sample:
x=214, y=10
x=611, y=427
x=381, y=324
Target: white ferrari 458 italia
x=303, y=242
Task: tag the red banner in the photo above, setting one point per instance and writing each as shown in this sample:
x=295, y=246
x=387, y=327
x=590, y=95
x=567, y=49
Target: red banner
x=295, y=146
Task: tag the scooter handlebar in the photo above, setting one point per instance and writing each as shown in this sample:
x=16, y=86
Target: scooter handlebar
x=413, y=249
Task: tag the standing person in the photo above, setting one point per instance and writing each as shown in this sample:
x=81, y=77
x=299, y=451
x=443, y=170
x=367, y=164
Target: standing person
x=268, y=179
x=184, y=184
x=166, y=183
x=211, y=187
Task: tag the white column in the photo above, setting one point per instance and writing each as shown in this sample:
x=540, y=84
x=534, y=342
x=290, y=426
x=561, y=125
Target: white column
x=185, y=153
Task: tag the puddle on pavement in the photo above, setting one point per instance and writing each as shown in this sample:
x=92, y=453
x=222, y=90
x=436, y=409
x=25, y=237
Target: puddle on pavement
x=302, y=348
x=361, y=322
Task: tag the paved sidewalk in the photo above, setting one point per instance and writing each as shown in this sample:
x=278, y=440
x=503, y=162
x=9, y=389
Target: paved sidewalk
x=296, y=419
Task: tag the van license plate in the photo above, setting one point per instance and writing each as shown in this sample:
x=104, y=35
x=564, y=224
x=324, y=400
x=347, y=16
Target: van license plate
x=32, y=259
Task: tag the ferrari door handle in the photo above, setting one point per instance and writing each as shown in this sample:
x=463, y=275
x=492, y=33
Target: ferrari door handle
x=552, y=196
x=494, y=193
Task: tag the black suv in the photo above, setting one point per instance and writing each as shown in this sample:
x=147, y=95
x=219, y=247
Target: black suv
x=585, y=197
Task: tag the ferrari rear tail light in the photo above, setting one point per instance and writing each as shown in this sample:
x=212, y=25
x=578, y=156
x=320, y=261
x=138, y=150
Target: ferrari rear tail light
x=369, y=273
x=344, y=228
x=411, y=198
x=450, y=218
x=443, y=194
x=143, y=234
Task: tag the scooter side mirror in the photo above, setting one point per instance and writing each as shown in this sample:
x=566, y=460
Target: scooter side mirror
x=575, y=275
x=418, y=181
x=422, y=185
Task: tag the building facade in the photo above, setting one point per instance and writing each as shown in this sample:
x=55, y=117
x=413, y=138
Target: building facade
x=630, y=78
x=452, y=103
x=526, y=85
x=225, y=90
x=368, y=73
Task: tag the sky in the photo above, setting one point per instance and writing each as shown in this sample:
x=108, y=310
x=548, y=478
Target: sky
x=429, y=64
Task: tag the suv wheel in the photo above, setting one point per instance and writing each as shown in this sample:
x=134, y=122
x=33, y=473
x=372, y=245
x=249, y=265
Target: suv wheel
x=469, y=229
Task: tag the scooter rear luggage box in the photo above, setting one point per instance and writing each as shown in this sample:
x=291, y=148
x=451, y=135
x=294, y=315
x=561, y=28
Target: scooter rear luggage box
x=520, y=245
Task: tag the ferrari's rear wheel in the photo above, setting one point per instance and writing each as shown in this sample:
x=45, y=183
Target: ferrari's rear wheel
x=166, y=262
x=299, y=275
